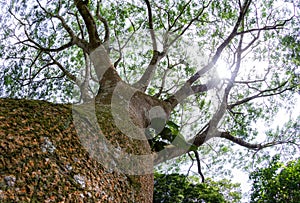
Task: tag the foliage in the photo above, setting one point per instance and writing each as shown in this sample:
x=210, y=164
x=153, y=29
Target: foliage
x=277, y=182
x=169, y=134
x=179, y=188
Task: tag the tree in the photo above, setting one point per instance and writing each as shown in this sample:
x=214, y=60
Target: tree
x=276, y=182
x=178, y=188
x=138, y=71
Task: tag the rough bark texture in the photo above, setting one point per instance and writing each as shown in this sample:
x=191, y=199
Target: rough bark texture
x=42, y=158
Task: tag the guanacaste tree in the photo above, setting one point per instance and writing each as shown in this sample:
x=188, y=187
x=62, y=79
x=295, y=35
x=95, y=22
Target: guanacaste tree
x=149, y=81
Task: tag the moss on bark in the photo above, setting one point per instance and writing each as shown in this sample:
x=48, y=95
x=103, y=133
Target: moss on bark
x=42, y=159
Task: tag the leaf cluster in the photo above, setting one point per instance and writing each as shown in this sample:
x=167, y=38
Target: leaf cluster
x=169, y=135
x=277, y=182
x=179, y=188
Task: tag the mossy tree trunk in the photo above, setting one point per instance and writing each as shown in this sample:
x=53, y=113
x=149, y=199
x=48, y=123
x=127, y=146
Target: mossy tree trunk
x=96, y=151
x=50, y=154
x=91, y=152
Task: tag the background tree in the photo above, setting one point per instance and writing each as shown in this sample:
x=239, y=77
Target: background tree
x=190, y=76
x=276, y=182
x=179, y=188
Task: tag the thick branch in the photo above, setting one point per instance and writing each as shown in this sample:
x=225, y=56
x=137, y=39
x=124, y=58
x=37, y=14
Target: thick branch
x=94, y=40
x=143, y=83
x=105, y=71
x=240, y=141
x=172, y=152
x=150, y=24
x=145, y=80
x=211, y=129
x=168, y=154
x=248, y=145
x=74, y=39
x=223, y=45
x=104, y=21
x=215, y=58
x=173, y=101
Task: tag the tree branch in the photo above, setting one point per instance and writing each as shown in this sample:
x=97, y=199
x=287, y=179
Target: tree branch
x=180, y=14
x=145, y=80
x=267, y=27
x=261, y=94
x=187, y=86
x=171, y=152
x=199, y=165
x=85, y=84
x=240, y=141
x=194, y=89
x=106, y=27
x=94, y=40
x=210, y=130
x=74, y=40
x=248, y=145
x=65, y=71
x=33, y=76
x=189, y=24
x=120, y=48
x=223, y=45
x=150, y=24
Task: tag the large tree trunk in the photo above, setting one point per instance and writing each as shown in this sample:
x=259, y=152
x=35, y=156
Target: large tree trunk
x=54, y=153
x=93, y=152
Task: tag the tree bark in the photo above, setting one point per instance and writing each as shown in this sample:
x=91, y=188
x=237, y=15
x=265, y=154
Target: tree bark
x=55, y=152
